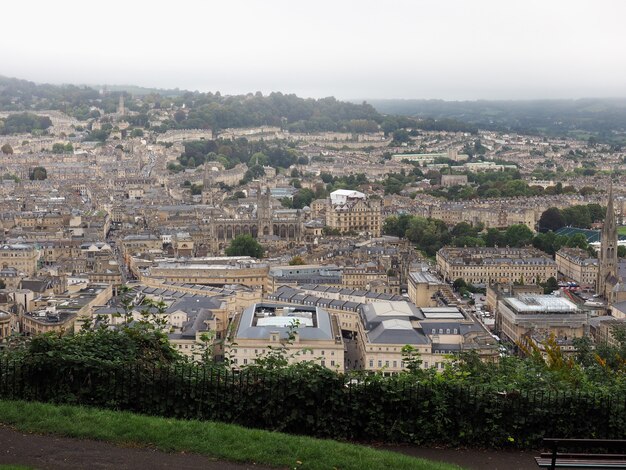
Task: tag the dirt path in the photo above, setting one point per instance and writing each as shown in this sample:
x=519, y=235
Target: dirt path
x=472, y=458
x=48, y=452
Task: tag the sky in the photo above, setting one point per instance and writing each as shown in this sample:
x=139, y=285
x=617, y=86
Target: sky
x=350, y=49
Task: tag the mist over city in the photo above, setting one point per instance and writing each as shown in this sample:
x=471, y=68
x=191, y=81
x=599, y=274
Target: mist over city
x=313, y=235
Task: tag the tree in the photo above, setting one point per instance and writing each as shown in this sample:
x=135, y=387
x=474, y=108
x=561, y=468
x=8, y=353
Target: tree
x=459, y=283
x=38, y=173
x=621, y=251
x=550, y=285
x=7, y=149
x=296, y=261
x=551, y=219
x=401, y=136
x=578, y=216
x=58, y=148
x=578, y=240
x=244, y=245
x=494, y=237
x=518, y=235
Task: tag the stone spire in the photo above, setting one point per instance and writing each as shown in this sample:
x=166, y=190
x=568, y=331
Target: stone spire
x=207, y=185
x=121, y=110
x=607, y=259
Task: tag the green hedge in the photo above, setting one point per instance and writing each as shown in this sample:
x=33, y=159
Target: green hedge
x=314, y=401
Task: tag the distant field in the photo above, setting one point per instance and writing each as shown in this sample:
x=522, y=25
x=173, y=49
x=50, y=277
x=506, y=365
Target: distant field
x=621, y=230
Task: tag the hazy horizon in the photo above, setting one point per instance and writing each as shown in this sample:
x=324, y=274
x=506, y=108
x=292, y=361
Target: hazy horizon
x=450, y=49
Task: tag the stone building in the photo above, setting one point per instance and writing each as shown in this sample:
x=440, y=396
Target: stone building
x=485, y=265
x=22, y=257
x=608, y=281
x=540, y=316
x=577, y=265
x=354, y=214
x=305, y=333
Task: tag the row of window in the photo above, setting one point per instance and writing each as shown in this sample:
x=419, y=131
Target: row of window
x=454, y=331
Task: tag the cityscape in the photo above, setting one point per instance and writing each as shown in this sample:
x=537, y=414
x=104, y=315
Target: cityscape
x=398, y=270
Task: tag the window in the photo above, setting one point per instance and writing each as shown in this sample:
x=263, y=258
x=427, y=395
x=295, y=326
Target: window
x=447, y=331
x=440, y=331
x=371, y=362
x=380, y=363
x=245, y=361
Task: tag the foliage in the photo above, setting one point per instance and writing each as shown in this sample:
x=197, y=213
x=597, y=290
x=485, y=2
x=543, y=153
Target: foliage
x=551, y=219
x=430, y=235
x=24, y=122
x=604, y=118
x=514, y=403
x=38, y=173
x=244, y=245
x=251, y=447
x=7, y=149
x=62, y=148
x=581, y=216
x=233, y=152
x=296, y=261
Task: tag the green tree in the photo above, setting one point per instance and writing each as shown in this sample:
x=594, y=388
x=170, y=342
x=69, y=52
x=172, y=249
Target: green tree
x=459, y=283
x=244, y=245
x=518, y=235
x=578, y=240
x=296, y=261
x=58, y=148
x=7, y=149
x=38, y=173
x=577, y=216
x=494, y=237
x=551, y=219
x=550, y=285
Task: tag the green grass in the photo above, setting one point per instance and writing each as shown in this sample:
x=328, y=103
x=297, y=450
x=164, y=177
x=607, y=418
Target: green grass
x=621, y=230
x=217, y=440
x=14, y=467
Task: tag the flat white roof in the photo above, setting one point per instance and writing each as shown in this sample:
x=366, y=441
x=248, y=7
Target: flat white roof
x=284, y=321
x=443, y=315
x=541, y=303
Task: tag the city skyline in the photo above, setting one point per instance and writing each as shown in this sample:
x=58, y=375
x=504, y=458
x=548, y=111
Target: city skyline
x=414, y=50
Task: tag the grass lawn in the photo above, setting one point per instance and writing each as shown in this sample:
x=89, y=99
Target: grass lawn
x=218, y=440
x=621, y=230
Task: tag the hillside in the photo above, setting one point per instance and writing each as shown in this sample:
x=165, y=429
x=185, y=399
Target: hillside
x=605, y=118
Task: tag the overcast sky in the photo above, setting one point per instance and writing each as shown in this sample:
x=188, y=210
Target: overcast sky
x=448, y=49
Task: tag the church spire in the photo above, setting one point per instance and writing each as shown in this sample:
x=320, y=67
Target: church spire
x=607, y=259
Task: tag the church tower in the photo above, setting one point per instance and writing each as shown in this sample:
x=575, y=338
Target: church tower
x=120, y=106
x=207, y=185
x=263, y=210
x=607, y=259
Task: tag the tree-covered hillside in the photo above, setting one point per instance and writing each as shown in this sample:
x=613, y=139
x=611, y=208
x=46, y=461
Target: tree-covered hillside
x=195, y=109
x=602, y=118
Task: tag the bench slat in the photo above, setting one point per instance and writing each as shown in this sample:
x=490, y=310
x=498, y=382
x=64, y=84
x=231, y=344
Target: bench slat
x=580, y=463
x=570, y=455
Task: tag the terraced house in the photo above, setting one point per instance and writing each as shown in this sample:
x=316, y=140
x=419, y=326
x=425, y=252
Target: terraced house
x=485, y=265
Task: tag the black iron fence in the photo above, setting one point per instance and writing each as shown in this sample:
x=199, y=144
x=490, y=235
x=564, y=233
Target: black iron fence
x=322, y=403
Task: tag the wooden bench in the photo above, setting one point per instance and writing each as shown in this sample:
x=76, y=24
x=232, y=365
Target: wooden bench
x=566, y=453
